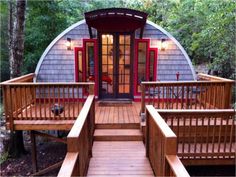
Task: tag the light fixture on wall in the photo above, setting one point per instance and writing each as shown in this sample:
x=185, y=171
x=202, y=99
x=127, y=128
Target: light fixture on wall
x=163, y=44
x=68, y=44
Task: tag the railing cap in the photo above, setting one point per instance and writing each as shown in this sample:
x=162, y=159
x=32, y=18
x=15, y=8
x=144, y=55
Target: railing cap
x=165, y=129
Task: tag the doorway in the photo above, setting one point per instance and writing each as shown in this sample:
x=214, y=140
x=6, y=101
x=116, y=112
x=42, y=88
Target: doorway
x=115, y=66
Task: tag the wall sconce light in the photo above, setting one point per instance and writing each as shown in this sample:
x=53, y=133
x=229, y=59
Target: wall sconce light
x=163, y=44
x=68, y=44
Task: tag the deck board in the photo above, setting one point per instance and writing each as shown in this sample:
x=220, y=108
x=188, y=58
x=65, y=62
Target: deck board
x=114, y=158
x=117, y=114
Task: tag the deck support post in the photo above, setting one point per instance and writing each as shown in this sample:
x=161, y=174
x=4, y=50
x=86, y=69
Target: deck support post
x=33, y=151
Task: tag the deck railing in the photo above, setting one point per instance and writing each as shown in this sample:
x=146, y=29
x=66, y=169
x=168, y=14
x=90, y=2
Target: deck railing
x=161, y=146
x=203, y=134
x=79, y=142
x=43, y=101
x=204, y=94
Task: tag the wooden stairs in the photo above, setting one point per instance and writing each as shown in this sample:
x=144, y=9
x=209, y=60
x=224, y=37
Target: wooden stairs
x=119, y=152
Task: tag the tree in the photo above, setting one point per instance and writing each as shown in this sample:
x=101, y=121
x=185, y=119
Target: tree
x=16, y=25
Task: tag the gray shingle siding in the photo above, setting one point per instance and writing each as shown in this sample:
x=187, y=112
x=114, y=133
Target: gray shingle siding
x=170, y=61
x=58, y=63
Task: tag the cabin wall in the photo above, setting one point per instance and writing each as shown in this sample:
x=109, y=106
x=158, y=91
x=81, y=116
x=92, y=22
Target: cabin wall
x=58, y=64
x=170, y=61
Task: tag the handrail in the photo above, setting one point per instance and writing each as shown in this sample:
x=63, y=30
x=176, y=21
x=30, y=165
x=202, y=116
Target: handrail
x=37, y=101
x=203, y=76
x=161, y=144
x=79, y=142
x=24, y=78
x=202, y=133
x=47, y=83
x=176, y=166
x=187, y=94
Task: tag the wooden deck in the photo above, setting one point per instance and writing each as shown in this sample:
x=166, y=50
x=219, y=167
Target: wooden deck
x=117, y=113
x=119, y=158
x=40, y=117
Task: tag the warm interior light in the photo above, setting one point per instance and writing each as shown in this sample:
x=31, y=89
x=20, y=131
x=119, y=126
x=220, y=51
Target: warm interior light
x=163, y=44
x=68, y=44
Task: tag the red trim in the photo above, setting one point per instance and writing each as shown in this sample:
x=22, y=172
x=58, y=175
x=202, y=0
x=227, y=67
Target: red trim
x=167, y=100
x=155, y=62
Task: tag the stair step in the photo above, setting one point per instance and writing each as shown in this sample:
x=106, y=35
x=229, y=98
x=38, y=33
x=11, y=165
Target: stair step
x=118, y=135
x=118, y=126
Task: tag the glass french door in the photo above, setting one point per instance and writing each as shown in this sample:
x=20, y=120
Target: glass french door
x=115, y=66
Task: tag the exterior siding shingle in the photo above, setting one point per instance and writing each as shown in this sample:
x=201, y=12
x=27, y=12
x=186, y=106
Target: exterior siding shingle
x=58, y=63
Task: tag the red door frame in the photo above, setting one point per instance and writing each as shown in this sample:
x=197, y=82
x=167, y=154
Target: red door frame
x=96, y=64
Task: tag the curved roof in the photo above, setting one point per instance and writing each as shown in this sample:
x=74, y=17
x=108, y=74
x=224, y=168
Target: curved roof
x=116, y=19
x=83, y=21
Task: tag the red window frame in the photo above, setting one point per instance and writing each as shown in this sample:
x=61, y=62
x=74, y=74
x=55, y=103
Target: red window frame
x=76, y=50
x=155, y=50
x=137, y=41
x=83, y=49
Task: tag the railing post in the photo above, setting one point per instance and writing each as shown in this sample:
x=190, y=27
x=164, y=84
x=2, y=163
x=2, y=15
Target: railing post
x=11, y=121
x=228, y=94
x=33, y=151
x=142, y=98
x=91, y=89
x=147, y=134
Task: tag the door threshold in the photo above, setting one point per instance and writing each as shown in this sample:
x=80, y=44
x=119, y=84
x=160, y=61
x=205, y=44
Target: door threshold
x=109, y=101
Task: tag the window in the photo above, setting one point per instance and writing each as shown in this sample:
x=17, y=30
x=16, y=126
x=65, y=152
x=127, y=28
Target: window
x=79, y=64
x=85, y=61
x=152, y=64
x=89, y=61
x=146, y=63
x=142, y=59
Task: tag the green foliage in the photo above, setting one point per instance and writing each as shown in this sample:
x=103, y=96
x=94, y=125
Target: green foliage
x=44, y=21
x=4, y=62
x=3, y=157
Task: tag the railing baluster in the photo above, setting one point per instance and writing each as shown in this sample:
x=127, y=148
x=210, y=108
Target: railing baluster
x=207, y=138
x=64, y=102
x=213, y=136
x=44, y=101
x=26, y=103
x=220, y=130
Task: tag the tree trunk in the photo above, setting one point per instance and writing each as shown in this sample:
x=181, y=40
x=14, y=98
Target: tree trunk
x=16, y=36
x=16, y=50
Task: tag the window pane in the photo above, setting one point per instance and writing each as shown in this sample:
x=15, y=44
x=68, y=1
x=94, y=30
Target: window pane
x=80, y=66
x=104, y=39
x=121, y=39
x=89, y=61
x=151, y=67
x=104, y=49
x=142, y=54
x=127, y=39
x=104, y=59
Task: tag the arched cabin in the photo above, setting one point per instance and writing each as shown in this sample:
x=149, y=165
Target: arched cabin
x=116, y=48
